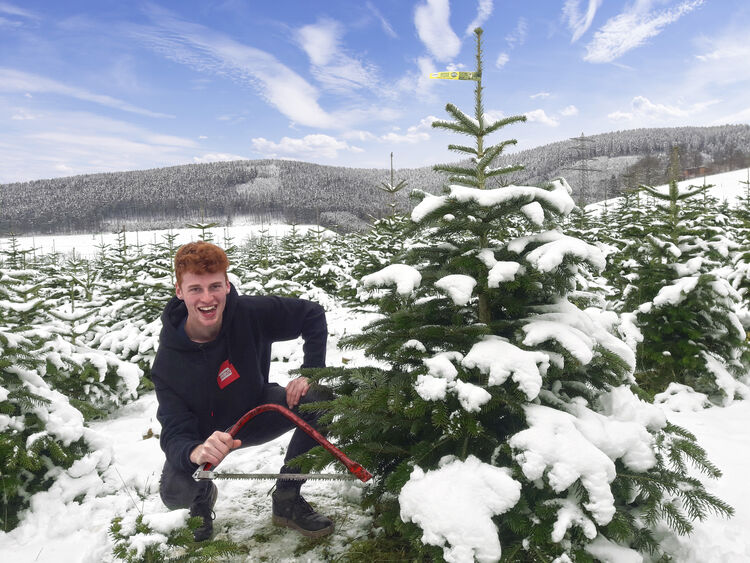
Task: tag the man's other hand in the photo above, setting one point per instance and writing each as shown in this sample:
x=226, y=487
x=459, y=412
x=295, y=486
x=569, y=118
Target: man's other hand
x=295, y=390
x=214, y=449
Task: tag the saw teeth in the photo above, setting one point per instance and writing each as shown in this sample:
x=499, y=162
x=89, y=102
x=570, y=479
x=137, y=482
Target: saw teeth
x=283, y=476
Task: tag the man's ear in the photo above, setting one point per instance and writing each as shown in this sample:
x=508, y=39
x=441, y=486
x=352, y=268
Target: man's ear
x=178, y=291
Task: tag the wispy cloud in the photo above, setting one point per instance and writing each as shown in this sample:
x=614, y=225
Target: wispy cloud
x=633, y=28
x=502, y=60
x=23, y=114
x=308, y=147
x=332, y=67
x=484, y=11
x=577, y=21
x=82, y=142
x=539, y=95
x=643, y=109
x=723, y=59
x=418, y=82
x=16, y=81
x=204, y=50
x=518, y=35
x=387, y=28
x=432, y=20
x=15, y=12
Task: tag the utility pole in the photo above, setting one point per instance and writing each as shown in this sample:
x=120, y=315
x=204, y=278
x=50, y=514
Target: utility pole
x=582, y=155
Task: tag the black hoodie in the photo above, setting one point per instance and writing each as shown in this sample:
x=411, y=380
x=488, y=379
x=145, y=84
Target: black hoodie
x=206, y=387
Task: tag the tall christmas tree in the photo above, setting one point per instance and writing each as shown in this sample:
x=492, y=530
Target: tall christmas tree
x=497, y=415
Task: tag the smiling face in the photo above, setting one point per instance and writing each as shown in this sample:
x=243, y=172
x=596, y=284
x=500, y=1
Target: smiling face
x=205, y=296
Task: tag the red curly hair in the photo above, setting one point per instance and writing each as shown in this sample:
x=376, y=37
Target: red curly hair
x=199, y=257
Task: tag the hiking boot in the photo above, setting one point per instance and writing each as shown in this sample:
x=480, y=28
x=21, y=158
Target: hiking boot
x=293, y=511
x=203, y=508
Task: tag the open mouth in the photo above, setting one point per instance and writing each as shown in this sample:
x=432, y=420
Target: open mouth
x=207, y=310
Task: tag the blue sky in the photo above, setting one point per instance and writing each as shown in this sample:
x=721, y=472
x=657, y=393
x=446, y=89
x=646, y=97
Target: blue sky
x=107, y=85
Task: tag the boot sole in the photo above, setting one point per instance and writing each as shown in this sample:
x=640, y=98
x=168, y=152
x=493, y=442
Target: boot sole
x=287, y=523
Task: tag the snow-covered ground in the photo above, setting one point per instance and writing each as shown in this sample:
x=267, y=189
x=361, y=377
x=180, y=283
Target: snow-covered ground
x=727, y=186
x=70, y=522
x=86, y=244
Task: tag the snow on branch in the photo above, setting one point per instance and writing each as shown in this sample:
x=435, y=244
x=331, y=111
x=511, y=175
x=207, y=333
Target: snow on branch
x=458, y=287
x=405, y=278
x=454, y=506
x=558, y=198
x=579, y=332
x=500, y=359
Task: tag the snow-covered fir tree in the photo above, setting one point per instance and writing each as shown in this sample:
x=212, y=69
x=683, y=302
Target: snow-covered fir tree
x=680, y=299
x=497, y=415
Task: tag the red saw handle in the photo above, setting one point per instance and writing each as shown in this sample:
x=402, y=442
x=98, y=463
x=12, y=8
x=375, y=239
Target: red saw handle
x=355, y=468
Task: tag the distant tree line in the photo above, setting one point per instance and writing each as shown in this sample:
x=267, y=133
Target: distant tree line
x=347, y=198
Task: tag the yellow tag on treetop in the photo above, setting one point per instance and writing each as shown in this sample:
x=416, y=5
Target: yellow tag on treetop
x=455, y=75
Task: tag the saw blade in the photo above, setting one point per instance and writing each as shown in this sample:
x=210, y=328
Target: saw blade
x=210, y=475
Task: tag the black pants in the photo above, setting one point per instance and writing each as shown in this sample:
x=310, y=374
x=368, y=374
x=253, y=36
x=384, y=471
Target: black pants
x=179, y=490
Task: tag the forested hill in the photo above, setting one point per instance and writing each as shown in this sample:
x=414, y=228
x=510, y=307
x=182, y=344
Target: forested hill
x=271, y=190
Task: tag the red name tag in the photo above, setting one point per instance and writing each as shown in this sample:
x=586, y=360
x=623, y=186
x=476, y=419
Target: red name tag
x=227, y=374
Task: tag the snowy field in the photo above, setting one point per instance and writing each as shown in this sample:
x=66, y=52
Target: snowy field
x=727, y=186
x=86, y=245
x=70, y=522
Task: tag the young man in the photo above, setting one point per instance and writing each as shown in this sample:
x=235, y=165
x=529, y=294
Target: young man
x=212, y=367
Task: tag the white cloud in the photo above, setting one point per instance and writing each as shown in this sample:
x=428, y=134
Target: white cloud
x=577, y=22
x=206, y=51
x=411, y=138
x=432, y=20
x=308, y=147
x=539, y=116
x=217, y=157
x=414, y=134
x=621, y=116
x=484, y=11
x=358, y=135
x=321, y=41
x=502, y=60
x=16, y=81
x=569, y=111
x=387, y=28
x=643, y=109
x=632, y=28
x=539, y=95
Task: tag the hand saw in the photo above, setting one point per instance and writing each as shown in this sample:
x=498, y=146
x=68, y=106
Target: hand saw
x=205, y=472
